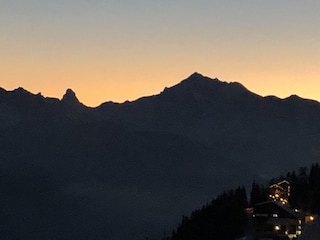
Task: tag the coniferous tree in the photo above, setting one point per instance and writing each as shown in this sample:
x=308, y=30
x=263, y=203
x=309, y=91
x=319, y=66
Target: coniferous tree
x=314, y=181
x=300, y=193
x=224, y=218
x=258, y=193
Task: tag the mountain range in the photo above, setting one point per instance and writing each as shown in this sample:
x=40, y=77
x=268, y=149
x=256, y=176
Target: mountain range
x=130, y=170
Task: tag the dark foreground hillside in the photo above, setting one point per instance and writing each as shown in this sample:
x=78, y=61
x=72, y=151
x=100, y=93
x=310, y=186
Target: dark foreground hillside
x=224, y=218
x=227, y=217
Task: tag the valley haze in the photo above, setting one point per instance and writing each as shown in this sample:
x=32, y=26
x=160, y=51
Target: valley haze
x=130, y=170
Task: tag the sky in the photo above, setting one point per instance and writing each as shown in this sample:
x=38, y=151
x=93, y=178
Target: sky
x=117, y=50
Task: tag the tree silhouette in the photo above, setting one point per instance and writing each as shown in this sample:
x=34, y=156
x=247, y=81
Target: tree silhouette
x=224, y=218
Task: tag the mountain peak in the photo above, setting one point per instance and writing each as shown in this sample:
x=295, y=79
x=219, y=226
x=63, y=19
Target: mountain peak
x=200, y=88
x=21, y=91
x=70, y=97
x=196, y=75
x=197, y=79
x=196, y=82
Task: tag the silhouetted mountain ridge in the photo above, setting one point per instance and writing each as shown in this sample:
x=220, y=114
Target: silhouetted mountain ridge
x=118, y=165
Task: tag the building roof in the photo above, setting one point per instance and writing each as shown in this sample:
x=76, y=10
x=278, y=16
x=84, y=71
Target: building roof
x=274, y=207
x=281, y=184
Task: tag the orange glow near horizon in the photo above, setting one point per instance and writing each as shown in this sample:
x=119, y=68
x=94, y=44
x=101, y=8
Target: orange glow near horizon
x=116, y=51
x=117, y=90
x=96, y=84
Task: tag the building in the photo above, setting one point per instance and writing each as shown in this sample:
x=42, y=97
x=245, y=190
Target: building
x=273, y=220
x=280, y=192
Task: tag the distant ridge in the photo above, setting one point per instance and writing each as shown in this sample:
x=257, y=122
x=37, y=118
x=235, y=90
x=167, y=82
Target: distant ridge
x=196, y=82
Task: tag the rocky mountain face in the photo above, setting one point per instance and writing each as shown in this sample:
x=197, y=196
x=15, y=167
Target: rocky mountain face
x=130, y=170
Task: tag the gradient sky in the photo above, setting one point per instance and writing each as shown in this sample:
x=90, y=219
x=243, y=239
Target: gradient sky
x=124, y=49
